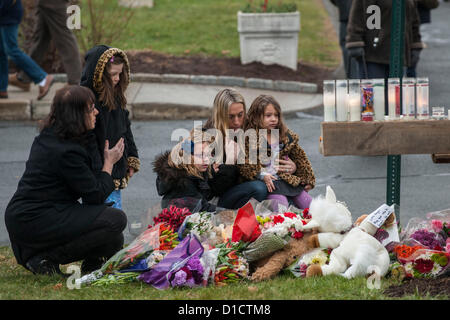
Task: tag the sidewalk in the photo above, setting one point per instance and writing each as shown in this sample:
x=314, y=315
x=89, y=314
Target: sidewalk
x=174, y=97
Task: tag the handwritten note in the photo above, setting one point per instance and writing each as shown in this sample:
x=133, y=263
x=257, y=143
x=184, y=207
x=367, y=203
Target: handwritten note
x=379, y=216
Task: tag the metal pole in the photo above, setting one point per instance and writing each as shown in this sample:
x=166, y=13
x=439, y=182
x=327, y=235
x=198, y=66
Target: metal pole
x=396, y=71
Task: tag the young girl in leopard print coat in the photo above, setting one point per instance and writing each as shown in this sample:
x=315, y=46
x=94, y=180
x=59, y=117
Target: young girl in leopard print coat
x=265, y=113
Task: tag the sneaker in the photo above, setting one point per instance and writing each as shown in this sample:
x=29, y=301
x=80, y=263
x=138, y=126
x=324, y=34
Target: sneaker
x=40, y=265
x=45, y=89
x=13, y=80
x=3, y=95
x=91, y=264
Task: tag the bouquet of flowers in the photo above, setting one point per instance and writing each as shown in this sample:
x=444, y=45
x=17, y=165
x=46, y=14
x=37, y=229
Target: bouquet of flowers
x=201, y=225
x=167, y=237
x=231, y=265
x=426, y=263
x=317, y=256
x=190, y=275
x=286, y=225
x=141, y=247
x=173, y=217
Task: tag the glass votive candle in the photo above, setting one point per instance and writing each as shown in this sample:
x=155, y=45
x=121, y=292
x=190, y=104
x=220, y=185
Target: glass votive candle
x=329, y=100
x=394, y=98
x=409, y=98
x=367, y=100
x=341, y=100
x=354, y=100
x=422, y=98
x=378, y=99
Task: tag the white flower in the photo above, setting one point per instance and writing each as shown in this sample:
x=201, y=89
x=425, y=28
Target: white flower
x=436, y=269
x=409, y=267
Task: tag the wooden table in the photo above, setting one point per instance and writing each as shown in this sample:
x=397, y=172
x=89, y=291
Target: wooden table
x=390, y=138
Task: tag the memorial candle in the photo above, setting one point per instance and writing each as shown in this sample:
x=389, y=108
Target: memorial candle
x=378, y=98
x=329, y=100
x=394, y=98
x=422, y=87
x=409, y=98
x=341, y=100
x=354, y=100
x=367, y=100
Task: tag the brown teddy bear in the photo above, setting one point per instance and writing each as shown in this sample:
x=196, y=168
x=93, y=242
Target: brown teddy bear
x=270, y=266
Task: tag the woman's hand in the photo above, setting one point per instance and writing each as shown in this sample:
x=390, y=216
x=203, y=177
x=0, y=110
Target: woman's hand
x=268, y=180
x=307, y=187
x=130, y=171
x=216, y=167
x=112, y=155
x=286, y=166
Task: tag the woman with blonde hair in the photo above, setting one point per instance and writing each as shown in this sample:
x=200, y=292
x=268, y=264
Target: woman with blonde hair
x=228, y=117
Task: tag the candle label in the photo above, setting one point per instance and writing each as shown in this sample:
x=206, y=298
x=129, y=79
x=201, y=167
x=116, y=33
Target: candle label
x=367, y=104
x=397, y=101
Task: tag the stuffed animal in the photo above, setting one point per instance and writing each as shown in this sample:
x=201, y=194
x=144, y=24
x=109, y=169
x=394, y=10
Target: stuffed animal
x=356, y=253
x=270, y=266
x=328, y=214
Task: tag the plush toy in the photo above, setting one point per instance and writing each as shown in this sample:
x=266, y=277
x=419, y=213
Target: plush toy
x=327, y=215
x=356, y=253
x=270, y=266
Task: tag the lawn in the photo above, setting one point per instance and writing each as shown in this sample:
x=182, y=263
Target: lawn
x=208, y=27
x=18, y=283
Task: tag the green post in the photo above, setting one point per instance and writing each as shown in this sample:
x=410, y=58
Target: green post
x=396, y=71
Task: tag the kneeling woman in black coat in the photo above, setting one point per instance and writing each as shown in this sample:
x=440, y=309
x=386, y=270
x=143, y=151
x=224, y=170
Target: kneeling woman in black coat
x=47, y=225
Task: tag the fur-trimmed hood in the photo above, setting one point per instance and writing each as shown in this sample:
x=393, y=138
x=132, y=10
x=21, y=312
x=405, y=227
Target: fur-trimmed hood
x=168, y=177
x=95, y=63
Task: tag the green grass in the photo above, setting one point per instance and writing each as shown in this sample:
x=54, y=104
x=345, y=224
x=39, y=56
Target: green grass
x=209, y=27
x=18, y=283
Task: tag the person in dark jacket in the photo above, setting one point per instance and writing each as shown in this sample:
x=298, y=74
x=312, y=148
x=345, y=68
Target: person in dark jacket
x=186, y=178
x=424, y=7
x=344, y=7
x=47, y=225
x=107, y=74
x=11, y=12
x=51, y=26
x=375, y=43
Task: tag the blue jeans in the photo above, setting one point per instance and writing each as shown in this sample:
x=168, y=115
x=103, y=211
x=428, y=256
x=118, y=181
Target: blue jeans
x=10, y=48
x=239, y=195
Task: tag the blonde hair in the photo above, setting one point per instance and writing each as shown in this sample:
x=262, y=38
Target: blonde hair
x=179, y=152
x=222, y=102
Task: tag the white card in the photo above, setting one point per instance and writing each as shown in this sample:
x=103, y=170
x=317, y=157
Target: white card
x=379, y=216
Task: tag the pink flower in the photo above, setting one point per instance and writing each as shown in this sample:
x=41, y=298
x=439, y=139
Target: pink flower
x=447, y=245
x=268, y=225
x=437, y=225
x=298, y=235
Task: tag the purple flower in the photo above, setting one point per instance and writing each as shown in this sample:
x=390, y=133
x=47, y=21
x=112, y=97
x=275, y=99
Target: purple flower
x=191, y=283
x=194, y=264
x=381, y=234
x=426, y=238
x=179, y=279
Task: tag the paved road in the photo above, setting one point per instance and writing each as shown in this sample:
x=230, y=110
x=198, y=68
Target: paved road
x=358, y=181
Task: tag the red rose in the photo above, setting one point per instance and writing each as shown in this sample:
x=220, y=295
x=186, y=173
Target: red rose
x=290, y=215
x=424, y=266
x=304, y=222
x=278, y=219
x=298, y=235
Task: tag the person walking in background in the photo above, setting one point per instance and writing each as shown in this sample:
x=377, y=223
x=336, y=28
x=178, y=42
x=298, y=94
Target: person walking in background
x=424, y=7
x=11, y=12
x=107, y=74
x=344, y=7
x=51, y=25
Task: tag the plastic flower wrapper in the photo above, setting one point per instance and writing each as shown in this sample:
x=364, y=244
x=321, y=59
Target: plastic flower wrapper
x=140, y=248
x=262, y=247
x=316, y=256
x=201, y=225
x=231, y=265
x=161, y=274
x=246, y=227
x=146, y=264
x=426, y=263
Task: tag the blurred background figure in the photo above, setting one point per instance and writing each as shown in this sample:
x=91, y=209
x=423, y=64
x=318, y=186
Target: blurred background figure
x=424, y=8
x=52, y=26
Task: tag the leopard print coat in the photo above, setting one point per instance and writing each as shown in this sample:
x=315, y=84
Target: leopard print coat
x=304, y=174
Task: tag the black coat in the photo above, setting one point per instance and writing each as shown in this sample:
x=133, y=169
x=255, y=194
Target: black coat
x=111, y=125
x=177, y=187
x=358, y=35
x=10, y=12
x=44, y=211
x=344, y=7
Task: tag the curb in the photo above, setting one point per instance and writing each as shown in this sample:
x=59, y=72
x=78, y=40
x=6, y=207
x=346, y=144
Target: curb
x=254, y=83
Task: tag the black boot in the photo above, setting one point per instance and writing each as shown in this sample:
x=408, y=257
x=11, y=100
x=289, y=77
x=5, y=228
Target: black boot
x=40, y=265
x=91, y=264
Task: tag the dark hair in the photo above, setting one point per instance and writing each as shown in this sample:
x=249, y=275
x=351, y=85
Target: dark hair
x=255, y=114
x=110, y=93
x=68, y=112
